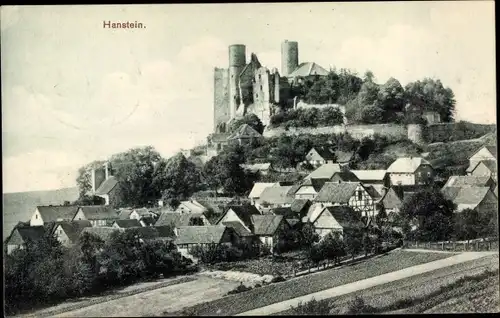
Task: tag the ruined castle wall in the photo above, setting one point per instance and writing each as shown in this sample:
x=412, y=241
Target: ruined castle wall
x=221, y=97
x=356, y=131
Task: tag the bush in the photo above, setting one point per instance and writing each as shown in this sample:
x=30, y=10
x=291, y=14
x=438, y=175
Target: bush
x=358, y=306
x=312, y=307
x=278, y=279
x=240, y=289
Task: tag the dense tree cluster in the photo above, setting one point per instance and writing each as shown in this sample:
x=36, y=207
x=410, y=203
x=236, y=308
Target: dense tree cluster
x=46, y=272
x=250, y=119
x=309, y=117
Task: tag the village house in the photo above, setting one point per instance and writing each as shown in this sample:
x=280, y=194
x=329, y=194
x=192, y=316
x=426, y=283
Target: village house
x=190, y=206
x=257, y=189
x=344, y=176
x=480, y=199
x=127, y=223
x=98, y=215
x=373, y=177
x=320, y=155
x=244, y=135
x=410, y=171
x=300, y=207
x=344, y=158
x=216, y=142
x=351, y=194
x=176, y=220
x=392, y=201
x=269, y=227
x=104, y=184
x=52, y=213
x=333, y=219
x=309, y=189
x=485, y=153
x=325, y=171
x=191, y=236
x=471, y=181
x=240, y=213
x=68, y=233
x=101, y=232
x=21, y=235
x=274, y=197
x=484, y=168
x=144, y=216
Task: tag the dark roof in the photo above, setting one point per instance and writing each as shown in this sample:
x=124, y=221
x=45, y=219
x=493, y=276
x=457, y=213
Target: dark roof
x=490, y=164
x=200, y=234
x=277, y=195
x=293, y=222
x=285, y=212
x=345, y=216
x=238, y=228
x=73, y=229
x=266, y=224
x=24, y=234
x=53, y=213
x=244, y=212
x=325, y=152
x=346, y=176
x=146, y=232
x=344, y=156
x=460, y=181
x=125, y=214
x=307, y=69
x=245, y=132
x=108, y=185
x=372, y=192
x=492, y=149
x=392, y=199
x=317, y=184
x=177, y=219
x=99, y=212
x=325, y=171
x=336, y=192
x=165, y=231
x=128, y=223
x=300, y=205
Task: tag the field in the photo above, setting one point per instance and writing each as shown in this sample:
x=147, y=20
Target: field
x=439, y=291
x=300, y=286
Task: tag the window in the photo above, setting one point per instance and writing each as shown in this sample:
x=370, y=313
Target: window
x=60, y=231
x=429, y=174
x=36, y=216
x=360, y=195
x=260, y=87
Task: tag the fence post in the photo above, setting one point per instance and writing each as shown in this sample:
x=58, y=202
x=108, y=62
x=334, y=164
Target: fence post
x=489, y=245
x=465, y=246
x=442, y=246
x=416, y=244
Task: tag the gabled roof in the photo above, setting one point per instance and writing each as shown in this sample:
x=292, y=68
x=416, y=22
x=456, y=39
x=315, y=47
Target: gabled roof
x=53, y=213
x=324, y=152
x=337, y=192
x=193, y=206
x=308, y=69
x=450, y=193
x=108, y=185
x=317, y=184
x=325, y=171
x=125, y=214
x=165, y=231
x=238, y=228
x=146, y=232
x=99, y=212
x=276, y=195
x=177, y=219
x=490, y=164
x=104, y=233
x=128, y=223
x=73, y=229
x=491, y=149
x=345, y=216
x=266, y=224
x=370, y=175
x=299, y=205
x=407, y=165
x=244, y=213
x=285, y=212
x=344, y=156
x=313, y=213
x=379, y=188
x=471, y=195
x=346, y=176
x=258, y=187
x=392, y=200
x=200, y=234
x=461, y=181
x=372, y=192
x=143, y=212
x=245, y=132
x=26, y=233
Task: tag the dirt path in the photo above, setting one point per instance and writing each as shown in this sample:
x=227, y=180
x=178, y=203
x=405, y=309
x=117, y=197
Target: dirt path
x=150, y=303
x=367, y=283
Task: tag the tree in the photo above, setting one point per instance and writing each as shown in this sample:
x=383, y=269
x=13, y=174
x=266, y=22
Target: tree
x=391, y=97
x=349, y=85
x=431, y=211
x=309, y=236
x=251, y=120
x=333, y=247
x=369, y=76
x=84, y=178
x=177, y=178
x=353, y=240
x=434, y=96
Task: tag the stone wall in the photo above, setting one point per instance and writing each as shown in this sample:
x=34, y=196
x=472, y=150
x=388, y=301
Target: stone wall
x=456, y=131
x=356, y=131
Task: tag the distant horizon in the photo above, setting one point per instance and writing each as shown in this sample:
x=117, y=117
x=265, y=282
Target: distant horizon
x=72, y=95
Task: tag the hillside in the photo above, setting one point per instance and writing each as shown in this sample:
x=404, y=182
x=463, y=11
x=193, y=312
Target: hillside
x=20, y=205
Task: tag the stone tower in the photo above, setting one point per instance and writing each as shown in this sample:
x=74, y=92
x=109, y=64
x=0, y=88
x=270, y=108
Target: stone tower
x=289, y=57
x=237, y=61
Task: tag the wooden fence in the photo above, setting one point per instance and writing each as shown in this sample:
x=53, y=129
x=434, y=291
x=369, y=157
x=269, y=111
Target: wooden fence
x=477, y=245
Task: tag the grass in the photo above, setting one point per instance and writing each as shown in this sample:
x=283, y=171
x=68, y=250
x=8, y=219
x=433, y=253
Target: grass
x=300, y=286
x=420, y=292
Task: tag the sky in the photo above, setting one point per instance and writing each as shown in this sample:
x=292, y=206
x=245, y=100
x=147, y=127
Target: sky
x=74, y=92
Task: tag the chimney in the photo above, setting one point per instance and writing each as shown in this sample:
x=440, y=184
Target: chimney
x=106, y=170
x=92, y=180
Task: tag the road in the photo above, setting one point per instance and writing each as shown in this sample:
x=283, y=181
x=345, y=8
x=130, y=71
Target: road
x=367, y=283
x=150, y=303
